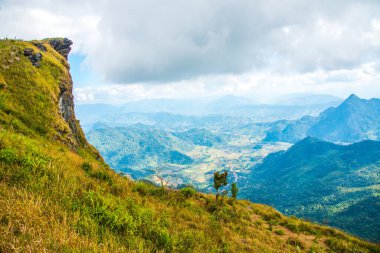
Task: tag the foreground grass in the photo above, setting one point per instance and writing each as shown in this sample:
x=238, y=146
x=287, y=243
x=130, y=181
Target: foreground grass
x=56, y=198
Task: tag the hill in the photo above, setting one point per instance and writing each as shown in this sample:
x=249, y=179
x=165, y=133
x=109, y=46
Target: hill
x=57, y=194
x=353, y=120
x=138, y=149
x=324, y=182
x=308, y=99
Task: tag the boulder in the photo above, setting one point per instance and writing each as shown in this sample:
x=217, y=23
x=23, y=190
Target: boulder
x=35, y=58
x=28, y=51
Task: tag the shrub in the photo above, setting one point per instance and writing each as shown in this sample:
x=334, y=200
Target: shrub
x=188, y=192
x=87, y=167
x=295, y=242
x=279, y=232
x=100, y=175
x=8, y=155
x=141, y=188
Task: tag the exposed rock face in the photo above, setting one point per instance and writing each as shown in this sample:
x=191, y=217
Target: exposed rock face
x=35, y=58
x=66, y=102
x=62, y=46
x=66, y=108
x=40, y=46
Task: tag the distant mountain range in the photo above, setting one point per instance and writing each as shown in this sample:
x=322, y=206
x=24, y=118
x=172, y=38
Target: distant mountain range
x=138, y=149
x=353, y=120
x=203, y=108
x=308, y=99
x=323, y=182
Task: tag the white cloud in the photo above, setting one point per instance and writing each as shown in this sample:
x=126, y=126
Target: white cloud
x=199, y=47
x=262, y=86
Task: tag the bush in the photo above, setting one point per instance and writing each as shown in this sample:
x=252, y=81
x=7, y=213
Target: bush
x=295, y=242
x=8, y=155
x=279, y=232
x=102, y=176
x=87, y=167
x=188, y=192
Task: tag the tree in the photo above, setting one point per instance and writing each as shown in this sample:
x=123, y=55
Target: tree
x=220, y=179
x=164, y=182
x=234, y=190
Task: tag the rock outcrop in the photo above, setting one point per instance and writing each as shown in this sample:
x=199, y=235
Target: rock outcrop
x=35, y=58
x=62, y=46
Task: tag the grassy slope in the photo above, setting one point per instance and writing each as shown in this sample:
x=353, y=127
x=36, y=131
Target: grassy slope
x=54, y=198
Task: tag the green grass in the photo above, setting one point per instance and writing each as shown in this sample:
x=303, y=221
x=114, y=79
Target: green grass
x=56, y=198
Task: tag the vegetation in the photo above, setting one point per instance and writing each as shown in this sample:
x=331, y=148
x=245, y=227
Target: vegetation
x=234, y=190
x=332, y=184
x=220, y=179
x=60, y=197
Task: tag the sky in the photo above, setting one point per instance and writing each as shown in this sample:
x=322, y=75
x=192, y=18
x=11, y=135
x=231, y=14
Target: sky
x=130, y=50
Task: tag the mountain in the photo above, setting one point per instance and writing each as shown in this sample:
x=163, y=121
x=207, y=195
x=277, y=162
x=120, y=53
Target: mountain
x=309, y=99
x=324, y=182
x=289, y=131
x=200, y=137
x=138, y=149
x=353, y=120
x=58, y=195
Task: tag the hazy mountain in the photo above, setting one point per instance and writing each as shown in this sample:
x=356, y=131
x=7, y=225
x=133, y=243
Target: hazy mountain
x=353, y=120
x=290, y=131
x=138, y=148
x=199, y=111
x=308, y=99
x=201, y=137
x=324, y=182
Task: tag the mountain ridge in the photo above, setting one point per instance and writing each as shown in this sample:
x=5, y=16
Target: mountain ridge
x=313, y=178
x=354, y=120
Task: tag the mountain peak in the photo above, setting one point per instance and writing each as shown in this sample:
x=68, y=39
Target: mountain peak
x=353, y=97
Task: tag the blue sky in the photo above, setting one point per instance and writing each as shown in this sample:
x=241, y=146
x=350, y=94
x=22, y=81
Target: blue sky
x=82, y=74
x=128, y=50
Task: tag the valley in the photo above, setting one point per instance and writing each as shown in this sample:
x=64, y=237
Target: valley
x=140, y=145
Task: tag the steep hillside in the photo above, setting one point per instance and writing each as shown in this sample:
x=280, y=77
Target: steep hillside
x=138, y=149
x=57, y=195
x=324, y=182
x=353, y=120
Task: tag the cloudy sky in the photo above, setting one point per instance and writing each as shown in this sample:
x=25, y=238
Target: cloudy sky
x=129, y=50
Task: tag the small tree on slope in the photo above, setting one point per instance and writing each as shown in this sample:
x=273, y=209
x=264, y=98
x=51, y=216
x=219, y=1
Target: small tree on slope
x=220, y=179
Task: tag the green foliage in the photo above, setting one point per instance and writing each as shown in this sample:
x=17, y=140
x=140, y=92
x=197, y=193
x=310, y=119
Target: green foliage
x=220, y=179
x=188, y=192
x=340, y=184
x=234, y=190
x=103, y=176
x=87, y=167
x=279, y=232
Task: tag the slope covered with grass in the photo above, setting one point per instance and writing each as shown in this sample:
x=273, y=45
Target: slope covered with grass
x=57, y=194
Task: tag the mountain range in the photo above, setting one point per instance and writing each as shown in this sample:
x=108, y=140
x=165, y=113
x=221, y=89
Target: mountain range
x=325, y=182
x=353, y=120
x=140, y=149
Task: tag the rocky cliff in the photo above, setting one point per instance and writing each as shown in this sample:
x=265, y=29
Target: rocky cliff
x=41, y=70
